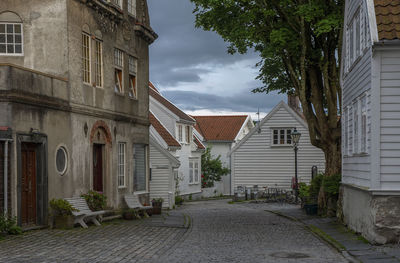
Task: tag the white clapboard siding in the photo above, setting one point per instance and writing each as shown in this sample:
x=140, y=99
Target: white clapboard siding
x=162, y=180
x=165, y=116
x=256, y=162
x=390, y=120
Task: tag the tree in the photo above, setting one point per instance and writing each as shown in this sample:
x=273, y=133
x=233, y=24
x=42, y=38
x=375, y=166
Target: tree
x=299, y=43
x=212, y=169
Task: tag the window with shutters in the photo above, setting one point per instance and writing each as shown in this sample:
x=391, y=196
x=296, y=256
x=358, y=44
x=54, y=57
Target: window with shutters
x=118, y=70
x=140, y=171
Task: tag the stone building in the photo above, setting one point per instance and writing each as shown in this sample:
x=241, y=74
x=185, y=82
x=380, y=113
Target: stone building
x=73, y=94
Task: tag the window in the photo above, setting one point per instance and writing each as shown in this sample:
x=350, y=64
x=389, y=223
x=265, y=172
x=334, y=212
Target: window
x=99, y=63
x=180, y=133
x=61, y=160
x=194, y=171
x=121, y=164
x=364, y=124
x=132, y=7
x=11, y=38
x=350, y=129
x=282, y=136
x=139, y=180
x=116, y=2
x=86, y=58
x=357, y=37
x=132, y=77
x=355, y=127
x=344, y=131
x=188, y=134
x=118, y=77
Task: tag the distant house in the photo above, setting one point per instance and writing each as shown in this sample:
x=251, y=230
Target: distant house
x=265, y=156
x=371, y=119
x=221, y=133
x=179, y=126
x=163, y=165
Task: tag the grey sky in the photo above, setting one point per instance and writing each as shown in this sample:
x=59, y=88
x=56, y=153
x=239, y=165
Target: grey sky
x=192, y=68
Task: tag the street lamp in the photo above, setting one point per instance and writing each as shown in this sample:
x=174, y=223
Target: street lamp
x=296, y=138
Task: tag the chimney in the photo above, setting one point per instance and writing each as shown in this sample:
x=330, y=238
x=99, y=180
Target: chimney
x=294, y=102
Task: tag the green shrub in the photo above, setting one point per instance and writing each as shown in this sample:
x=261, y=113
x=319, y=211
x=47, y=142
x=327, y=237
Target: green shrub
x=178, y=200
x=61, y=207
x=316, y=185
x=96, y=201
x=159, y=200
x=331, y=184
x=9, y=226
x=304, y=190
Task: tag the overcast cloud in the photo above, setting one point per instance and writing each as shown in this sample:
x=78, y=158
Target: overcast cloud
x=192, y=68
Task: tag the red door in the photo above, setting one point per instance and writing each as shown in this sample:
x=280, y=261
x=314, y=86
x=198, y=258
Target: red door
x=98, y=167
x=28, y=184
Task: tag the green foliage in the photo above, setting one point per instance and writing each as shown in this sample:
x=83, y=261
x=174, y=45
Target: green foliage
x=316, y=185
x=178, y=200
x=304, y=191
x=212, y=169
x=61, y=207
x=9, y=226
x=96, y=201
x=190, y=197
x=158, y=200
x=331, y=184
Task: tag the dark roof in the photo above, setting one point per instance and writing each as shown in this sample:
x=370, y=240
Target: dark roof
x=388, y=19
x=167, y=137
x=157, y=96
x=219, y=128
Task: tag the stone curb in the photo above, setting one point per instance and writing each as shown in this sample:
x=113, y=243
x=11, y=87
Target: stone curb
x=344, y=252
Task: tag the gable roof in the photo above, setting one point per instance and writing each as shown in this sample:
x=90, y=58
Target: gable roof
x=174, y=161
x=387, y=14
x=220, y=128
x=266, y=118
x=198, y=143
x=166, y=103
x=163, y=132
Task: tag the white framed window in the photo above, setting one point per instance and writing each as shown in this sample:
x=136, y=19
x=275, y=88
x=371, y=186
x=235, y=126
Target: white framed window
x=364, y=125
x=179, y=133
x=86, y=58
x=132, y=65
x=281, y=136
x=118, y=70
x=355, y=128
x=194, y=171
x=121, y=164
x=344, y=131
x=98, y=63
x=132, y=7
x=191, y=172
x=61, y=160
x=350, y=129
x=188, y=134
x=11, y=39
x=140, y=171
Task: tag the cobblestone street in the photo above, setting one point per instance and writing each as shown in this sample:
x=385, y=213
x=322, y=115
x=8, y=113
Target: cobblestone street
x=218, y=232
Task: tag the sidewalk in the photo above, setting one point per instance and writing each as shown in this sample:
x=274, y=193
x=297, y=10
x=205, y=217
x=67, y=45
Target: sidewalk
x=342, y=238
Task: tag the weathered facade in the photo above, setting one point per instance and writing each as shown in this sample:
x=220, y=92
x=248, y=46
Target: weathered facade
x=73, y=89
x=370, y=119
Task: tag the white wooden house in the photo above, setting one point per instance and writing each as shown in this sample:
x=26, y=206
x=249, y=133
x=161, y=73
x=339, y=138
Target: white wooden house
x=163, y=165
x=265, y=156
x=221, y=133
x=180, y=126
x=371, y=118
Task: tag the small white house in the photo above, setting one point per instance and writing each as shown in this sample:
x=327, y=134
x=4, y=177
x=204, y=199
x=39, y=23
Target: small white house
x=180, y=126
x=370, y=78
x=265, y=156
x=163, y=165
x=221, y=133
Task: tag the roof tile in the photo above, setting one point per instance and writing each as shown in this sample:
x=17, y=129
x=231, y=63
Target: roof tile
x=167, y=137
x=388, y=19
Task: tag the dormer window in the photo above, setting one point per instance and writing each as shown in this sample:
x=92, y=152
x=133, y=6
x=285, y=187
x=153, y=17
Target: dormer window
x=11, y=34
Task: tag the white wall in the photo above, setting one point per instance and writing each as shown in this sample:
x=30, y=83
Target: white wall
x=184, y=154
x=256, y=162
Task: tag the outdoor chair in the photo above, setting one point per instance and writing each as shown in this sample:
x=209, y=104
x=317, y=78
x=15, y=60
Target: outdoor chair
x=84, y=212
x=132, y=201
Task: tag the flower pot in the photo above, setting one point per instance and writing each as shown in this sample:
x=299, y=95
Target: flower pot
x=128, y=215
x=63, y=222
x=157, y=208
x=311, y=209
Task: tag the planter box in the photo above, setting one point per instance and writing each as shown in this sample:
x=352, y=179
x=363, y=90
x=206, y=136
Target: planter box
x=311, y=209
x=63, y=222
x=157, y=207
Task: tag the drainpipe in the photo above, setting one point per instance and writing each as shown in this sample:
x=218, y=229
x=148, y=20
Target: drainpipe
x=5, y=177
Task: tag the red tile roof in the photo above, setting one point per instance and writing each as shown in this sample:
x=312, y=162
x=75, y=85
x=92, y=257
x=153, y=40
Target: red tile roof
x=388, y=19
x=198, y=142
x=167, y=137
x=156, y=95
x=219, y=128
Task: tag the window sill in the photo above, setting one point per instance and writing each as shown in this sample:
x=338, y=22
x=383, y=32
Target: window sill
x=132, y=98
x=281, y=145
x=140, y=192
x=194, y=183
x=119, y=94
x=121, y=187
x=11, y=55
x=357, y=155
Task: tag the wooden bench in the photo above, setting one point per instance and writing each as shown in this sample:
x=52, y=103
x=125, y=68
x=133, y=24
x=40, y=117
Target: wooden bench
x=132, y=201
x=84, y=212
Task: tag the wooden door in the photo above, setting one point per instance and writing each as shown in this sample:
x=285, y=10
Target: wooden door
x=28, y=184
x=98, y=167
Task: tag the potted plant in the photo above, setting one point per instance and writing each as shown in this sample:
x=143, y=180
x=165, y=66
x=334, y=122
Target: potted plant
x=61, y=212
x=157, y=205
x=96, y=201
x=130, y=214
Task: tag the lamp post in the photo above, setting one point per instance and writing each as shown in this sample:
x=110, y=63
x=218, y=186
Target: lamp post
x=295, y=138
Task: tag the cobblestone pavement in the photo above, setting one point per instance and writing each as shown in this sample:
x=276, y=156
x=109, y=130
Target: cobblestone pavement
x=223, y=232
x=219, y=232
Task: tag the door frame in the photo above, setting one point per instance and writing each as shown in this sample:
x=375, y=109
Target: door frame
x=40, y=140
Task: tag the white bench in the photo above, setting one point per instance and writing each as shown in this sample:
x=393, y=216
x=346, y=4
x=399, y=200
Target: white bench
x=84, y=212
x=132, y=201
